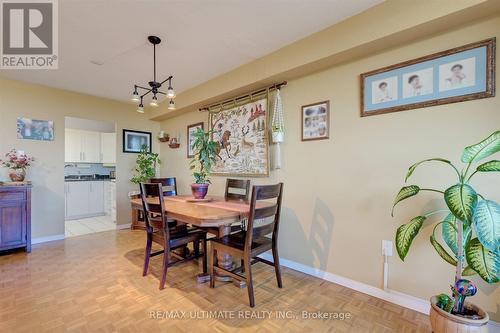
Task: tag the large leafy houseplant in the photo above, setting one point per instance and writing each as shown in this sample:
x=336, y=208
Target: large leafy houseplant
x=470, y=228
x=205, y=156
x=145, y=166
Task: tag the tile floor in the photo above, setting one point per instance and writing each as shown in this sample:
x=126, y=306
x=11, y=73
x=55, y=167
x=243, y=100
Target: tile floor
x=89, y=225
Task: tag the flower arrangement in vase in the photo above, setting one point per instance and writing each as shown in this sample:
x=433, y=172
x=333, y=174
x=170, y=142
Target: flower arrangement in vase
x=17, y=162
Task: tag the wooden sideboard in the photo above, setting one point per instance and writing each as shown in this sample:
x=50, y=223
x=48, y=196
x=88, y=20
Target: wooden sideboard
x=15, y=217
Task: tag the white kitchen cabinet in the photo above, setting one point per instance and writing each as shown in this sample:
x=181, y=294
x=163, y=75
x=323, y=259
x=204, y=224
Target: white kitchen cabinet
x=82, y=146
x=77, y=198
x=84, y=199
x=108, y=148
x=73, y=146
x=110, y=199
x=96, y=198
x=91, y=142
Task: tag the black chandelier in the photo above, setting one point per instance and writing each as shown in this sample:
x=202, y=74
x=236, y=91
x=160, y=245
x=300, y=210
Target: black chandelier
x=155, y=85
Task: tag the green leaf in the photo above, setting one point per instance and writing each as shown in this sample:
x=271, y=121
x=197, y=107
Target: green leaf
x=442, y=252
x=468, y=271
x=486, y=263
x=405, y=193
x=406, y=233
x=483, y=149
x=449, y=231
x=445, y=302
x=489, y=166
x=486, y=220
x=461, y=200
x=414, y=166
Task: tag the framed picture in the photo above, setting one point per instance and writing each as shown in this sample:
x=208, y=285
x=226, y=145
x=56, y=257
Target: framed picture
x=460, y=74
x=32, y=129
x=316, y=121
x=191, y=129
x=241, y=135
x=133, y=141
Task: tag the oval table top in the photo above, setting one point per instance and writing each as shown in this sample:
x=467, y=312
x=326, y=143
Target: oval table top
x=203, y=214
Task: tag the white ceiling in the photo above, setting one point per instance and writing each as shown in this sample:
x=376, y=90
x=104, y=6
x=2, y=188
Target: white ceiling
x=201, y=39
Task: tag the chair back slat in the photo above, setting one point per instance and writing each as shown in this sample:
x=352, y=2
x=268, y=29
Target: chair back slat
x=154, y=207
x=261, y=213
x=263, y=230
x=267, y=192
x=169, y=185
x=237, y=189
x=264, y=220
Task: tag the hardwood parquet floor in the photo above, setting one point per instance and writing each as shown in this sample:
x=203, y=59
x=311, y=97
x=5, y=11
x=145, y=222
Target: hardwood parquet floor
x=93, y=283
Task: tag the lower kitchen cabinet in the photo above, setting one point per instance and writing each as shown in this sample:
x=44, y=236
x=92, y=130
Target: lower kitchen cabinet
x=84, y=199
x=110, y=199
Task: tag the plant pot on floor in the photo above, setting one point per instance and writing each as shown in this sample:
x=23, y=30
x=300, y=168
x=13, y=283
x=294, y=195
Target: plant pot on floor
x=199, y=190
x=443, y=322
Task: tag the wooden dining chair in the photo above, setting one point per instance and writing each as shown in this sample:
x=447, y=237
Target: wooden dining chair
x=248, y=244
x=169, y=185
x=237, y=189
x=169, y=189
x=170, y=239
x=242, y=187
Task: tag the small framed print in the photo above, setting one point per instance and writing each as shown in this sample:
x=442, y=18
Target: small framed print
x=134, y=141
x=32, y=129
x=456, y=75
x=316, y=121
x=191, y=129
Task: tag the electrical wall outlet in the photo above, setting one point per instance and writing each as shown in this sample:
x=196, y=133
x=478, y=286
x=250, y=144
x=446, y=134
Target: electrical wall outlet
x=387, y=248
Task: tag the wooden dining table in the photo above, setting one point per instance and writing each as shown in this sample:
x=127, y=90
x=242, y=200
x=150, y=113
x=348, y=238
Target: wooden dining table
x=216, y=215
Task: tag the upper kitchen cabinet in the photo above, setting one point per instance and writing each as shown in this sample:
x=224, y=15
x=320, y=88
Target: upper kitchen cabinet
x=82, y=146
x=108, y=148
x=91, y=147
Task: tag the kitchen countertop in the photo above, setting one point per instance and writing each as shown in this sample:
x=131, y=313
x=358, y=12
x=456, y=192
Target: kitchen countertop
x=89, y=179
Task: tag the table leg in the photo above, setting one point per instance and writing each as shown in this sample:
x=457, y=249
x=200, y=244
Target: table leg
x=135, y=218
x=225, y=261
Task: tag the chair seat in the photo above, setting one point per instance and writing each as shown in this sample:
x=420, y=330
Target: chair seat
x=180, y=237
x=237, y=241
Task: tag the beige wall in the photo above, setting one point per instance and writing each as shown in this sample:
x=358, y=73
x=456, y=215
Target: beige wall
x=374, y=30
x=338, y=192
x=24, y=100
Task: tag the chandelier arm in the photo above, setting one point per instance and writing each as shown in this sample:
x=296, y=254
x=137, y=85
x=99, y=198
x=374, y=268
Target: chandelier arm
x=146, y=93
x=168, y=78
x=144, y=88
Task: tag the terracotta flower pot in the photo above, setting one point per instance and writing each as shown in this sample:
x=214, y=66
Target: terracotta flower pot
x=199, y=190
x=17, y=175
x=443, y=322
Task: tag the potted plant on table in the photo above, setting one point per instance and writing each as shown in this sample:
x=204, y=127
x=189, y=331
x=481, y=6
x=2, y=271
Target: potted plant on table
x=205, y=156
x=471, y=231
x=17, y=162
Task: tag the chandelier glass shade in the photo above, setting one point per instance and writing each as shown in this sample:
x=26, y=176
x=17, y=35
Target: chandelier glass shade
x=140, y=92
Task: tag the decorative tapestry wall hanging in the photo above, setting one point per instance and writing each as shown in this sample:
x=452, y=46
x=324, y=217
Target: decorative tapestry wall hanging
x=241, y=134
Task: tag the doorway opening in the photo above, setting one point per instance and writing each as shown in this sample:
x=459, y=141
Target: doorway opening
x=89, y=176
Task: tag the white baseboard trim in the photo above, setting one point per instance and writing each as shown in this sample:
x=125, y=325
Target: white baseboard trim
x=39, y=240
x=493, y=326
x=123, y=226
x=392, y=296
